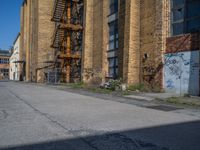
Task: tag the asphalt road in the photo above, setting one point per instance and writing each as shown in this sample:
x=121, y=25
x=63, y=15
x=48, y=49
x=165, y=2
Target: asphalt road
x=40, y=118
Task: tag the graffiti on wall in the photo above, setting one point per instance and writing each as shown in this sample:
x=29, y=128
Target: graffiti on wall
x=170, y=84
x=181, y=72
x=151, y=73
x=174, y=62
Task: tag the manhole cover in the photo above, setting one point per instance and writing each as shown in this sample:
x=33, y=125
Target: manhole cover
x=163, y=107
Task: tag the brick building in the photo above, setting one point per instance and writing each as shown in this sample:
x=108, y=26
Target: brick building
x=4, y=64
x=95, y=40
x=129, y=39
x=36, y=32
x=122, y=39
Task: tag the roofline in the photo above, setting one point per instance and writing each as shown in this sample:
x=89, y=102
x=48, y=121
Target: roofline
x=6, y=54
x=4, y=50
x=16, y=38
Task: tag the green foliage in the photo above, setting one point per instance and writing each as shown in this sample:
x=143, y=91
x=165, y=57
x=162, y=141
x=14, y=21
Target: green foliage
x=79, y=85
x=126, y=92
x=135, y=87
x=98, y=90
x=144, y=88
x=115, y=84
x=184, y=101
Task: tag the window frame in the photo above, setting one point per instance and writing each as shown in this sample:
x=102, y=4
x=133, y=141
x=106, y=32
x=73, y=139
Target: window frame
x=114, y=67
x=114, y=39
x=115, y=35
x=113, y=6
x=186, y=18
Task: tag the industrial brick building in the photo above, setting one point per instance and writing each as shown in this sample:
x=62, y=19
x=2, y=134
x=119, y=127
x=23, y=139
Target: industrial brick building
x=4, y=64
x=95, y=40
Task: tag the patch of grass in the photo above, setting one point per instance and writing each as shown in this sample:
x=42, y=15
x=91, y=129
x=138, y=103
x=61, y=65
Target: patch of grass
x=184, y=101
x=140, y=87
x=79, y=85
x=99, y=90
x=127, y=92
x=145, y=88
x=87, y=87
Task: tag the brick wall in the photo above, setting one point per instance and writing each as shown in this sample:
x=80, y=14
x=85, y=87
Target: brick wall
x=129, y=41
x=87, y=57
x=36, y=32
x=45, y=29
x=95, y=41
x=154, y=30
x=21, y=48
x=121, y=28
x=186, y=42
x=143, y=28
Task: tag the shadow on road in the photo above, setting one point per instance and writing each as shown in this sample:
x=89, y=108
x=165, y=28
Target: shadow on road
x=183, y=136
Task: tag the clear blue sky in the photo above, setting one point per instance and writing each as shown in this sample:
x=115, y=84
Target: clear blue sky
x=9, y=22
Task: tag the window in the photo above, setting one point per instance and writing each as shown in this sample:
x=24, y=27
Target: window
x=113, y=40
x=4, y=61
x=185, y=16
x=113, y=35
x=178, y=2
x=111, y=45
x=113, y=6
x=5, y=72
x=113, y=67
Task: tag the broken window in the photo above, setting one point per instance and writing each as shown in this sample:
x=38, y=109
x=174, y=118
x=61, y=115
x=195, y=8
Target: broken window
x=185, y=16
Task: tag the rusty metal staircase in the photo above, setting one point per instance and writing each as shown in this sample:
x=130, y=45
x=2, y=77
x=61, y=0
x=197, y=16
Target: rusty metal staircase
x=67, y=38
x=58, y=9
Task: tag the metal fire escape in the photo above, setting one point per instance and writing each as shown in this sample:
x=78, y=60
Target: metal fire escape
x=67, y=38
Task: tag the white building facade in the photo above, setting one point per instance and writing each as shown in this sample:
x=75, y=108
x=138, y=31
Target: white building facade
x=14, y=59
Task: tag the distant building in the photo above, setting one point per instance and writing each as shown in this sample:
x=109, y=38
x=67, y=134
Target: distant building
x=14, y=60
x=4, y=64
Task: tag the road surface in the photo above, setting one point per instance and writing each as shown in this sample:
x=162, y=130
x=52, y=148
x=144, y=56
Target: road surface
x=34, y=117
